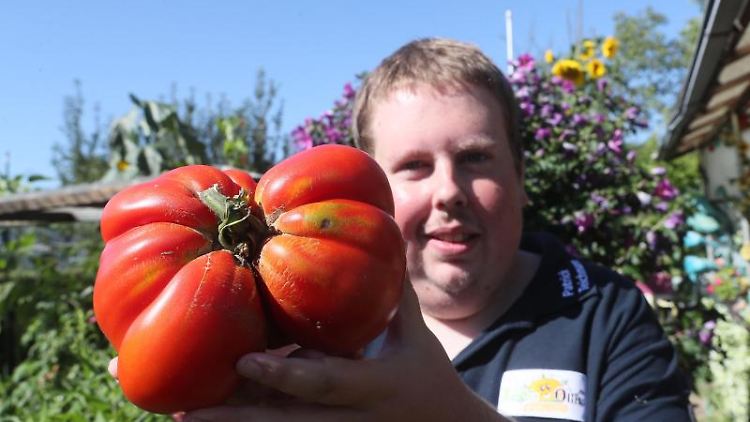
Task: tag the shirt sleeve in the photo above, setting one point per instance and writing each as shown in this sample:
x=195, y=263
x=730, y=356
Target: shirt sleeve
x=641, y=380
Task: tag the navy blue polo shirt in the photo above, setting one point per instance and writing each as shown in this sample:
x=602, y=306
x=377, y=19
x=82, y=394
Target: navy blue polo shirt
x=581, y=343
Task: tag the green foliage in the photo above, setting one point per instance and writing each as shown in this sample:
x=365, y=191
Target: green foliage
x=684, y=171
x=54, y=356
x=151, y=138
x=235, y=149
x=83, y=158
x=262, y=125
x=155, y=136
x=726, y=386
x=248, y=136
x=652, y=65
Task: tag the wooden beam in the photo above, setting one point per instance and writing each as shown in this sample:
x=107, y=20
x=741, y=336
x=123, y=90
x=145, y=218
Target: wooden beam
x=738, y=67
x=728, y=96
x=690, y=136
x=708, y=117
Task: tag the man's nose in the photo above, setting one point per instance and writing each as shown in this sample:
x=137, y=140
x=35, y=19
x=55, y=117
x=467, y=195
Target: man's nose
x=449, y=190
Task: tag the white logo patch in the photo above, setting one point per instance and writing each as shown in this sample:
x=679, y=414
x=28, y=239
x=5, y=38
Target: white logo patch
x=544, y=393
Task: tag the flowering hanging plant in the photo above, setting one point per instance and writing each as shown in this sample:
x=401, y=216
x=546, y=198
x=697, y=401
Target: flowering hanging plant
x=333, y=127
x=583, y=178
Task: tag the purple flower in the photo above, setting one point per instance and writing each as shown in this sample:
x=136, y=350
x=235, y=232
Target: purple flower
x=675, y=219
x=599, y=200
x=567, y=86
x=349, y=92
x=631, y=155
x=601, y=84
x=555, y=119
x=661, y=283
x=526, y=62
x=707, y=332
x=302, y=139
x=539, y=153
x=661, y=206
x=517, y=77
x=651, y=239
x=542, y=133
x=523, y=92
x=658, y=171
x=583, y=221
x=546, y=110
x=631, y=113
x=579, y=119
x=566, y=134
x=665, y=190
x=615, y=146
x=527, y=108
x=599, y=118
x=333, y=135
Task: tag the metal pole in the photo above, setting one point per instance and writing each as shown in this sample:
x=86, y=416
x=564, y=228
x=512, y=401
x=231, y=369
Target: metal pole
x=509, y=39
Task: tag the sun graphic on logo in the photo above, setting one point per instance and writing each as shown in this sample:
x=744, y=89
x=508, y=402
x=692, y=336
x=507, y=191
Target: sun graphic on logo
x=545, y=387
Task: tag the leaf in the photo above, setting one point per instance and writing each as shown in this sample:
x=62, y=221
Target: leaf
x=150, y=161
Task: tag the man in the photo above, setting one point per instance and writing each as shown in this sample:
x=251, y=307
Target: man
x=500, y=326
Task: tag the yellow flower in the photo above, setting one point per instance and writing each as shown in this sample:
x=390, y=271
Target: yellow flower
x=568, y=69
x=122, y=165
x=745, y=252
x=596, y=69
x=609, y=47
x=588, y=51
x=548, y=56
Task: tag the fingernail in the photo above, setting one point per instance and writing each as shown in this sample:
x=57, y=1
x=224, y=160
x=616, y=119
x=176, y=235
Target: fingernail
x=253, y=366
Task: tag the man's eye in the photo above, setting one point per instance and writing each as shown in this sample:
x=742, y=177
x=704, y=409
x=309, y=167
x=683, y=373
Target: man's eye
x=413, y=165
x=474, y=157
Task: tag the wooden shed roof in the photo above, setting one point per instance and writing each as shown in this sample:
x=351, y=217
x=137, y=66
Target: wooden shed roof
x=72, y=203
x=718, y=81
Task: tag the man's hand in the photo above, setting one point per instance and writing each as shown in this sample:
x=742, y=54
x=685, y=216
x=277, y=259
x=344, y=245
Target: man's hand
x=411, y=379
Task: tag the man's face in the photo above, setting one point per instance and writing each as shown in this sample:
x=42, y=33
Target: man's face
x=458, y=195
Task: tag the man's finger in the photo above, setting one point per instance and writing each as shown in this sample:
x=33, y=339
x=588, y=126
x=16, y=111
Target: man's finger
x=326, y=380
x=112, y=367
x=408, y=326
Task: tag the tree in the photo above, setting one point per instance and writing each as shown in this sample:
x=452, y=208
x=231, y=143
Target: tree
x=83, y=158
x=652, y=65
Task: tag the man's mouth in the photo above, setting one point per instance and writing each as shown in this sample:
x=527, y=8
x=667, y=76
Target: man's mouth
x=452, y=237
x=451, y=242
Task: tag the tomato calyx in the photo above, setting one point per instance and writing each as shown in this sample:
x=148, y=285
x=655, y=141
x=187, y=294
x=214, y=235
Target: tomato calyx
x=239, y=230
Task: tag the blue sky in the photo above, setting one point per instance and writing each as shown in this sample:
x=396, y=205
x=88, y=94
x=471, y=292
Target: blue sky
x=309, y=48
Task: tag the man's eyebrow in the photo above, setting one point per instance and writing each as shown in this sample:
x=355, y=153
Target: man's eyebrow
x=476, y=141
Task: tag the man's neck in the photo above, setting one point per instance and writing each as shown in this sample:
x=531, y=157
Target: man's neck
x=456, y=334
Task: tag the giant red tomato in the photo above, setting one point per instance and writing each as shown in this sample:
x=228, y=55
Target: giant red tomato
x=193, y=260
x=333, y=272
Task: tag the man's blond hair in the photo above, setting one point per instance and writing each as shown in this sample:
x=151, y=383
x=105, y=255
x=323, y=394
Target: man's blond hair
x=442, y=64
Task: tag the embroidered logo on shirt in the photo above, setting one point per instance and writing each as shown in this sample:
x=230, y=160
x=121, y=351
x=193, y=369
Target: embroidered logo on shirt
x=566, y=279
x=581, y=276
x=544, y=393
x=566, y=282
